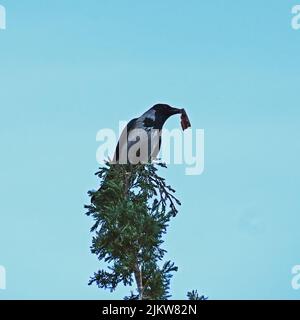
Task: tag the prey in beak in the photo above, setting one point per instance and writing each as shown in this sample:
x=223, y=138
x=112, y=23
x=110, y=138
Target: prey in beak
x=185, y=121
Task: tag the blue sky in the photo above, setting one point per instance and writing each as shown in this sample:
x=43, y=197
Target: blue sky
x=68, y=70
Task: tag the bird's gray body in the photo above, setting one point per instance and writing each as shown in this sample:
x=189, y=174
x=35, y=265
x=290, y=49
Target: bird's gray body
x=140, y=141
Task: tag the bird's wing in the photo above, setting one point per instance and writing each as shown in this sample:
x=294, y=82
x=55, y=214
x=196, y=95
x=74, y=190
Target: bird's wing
x=124, y=139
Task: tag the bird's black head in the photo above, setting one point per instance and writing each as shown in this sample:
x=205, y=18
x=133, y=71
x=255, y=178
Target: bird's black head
x=162, y=113
x=165, y=110
x=156, y=116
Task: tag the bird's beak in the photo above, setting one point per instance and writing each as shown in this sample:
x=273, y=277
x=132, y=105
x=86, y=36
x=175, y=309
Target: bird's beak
x=175, y=111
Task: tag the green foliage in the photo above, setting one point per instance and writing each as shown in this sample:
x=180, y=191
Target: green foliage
x=131, y=212
x=193, y=295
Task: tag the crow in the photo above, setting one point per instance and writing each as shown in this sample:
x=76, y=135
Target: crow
x=140, y=141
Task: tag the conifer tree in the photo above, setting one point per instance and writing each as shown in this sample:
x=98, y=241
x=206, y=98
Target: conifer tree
x=131, y=212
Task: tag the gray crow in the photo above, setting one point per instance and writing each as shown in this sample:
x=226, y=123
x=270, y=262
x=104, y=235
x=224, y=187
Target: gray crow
x=140, y=141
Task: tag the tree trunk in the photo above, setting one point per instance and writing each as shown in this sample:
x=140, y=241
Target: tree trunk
x=139, y=281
